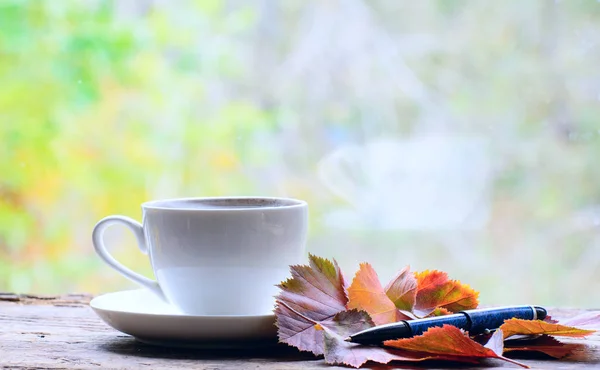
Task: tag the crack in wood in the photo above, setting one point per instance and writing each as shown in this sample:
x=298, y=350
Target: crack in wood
x=75, y=300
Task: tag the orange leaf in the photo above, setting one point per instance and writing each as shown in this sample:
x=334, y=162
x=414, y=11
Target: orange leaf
x=533, y=327
x=366, y=293
x=440, y=311
x=434, y=289
x=449, y=340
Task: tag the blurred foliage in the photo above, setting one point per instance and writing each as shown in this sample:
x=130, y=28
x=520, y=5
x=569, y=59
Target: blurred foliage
x=78, y=140
x=106, y=104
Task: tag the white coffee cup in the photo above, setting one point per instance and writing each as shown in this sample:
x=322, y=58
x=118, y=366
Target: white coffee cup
x=215, y=256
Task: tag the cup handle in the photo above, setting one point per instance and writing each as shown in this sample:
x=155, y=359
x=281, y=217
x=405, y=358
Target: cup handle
x=136, y=227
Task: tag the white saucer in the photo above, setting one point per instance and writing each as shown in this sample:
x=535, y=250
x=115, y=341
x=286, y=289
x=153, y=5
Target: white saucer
x=144, y=316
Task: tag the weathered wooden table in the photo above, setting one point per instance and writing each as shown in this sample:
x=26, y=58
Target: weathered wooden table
x=64, y=333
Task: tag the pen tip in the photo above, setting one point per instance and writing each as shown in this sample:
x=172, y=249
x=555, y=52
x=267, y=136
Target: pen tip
x=348, y=339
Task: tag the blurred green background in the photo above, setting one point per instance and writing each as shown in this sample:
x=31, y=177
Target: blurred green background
x=451, y=134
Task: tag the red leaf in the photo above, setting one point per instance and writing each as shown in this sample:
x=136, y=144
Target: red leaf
x=338, y=351
x=534, y=327
x=544, y=344
x=366, y=293
x=434, y=289
x=402, y=290
x=451, y=341
x=314, y=294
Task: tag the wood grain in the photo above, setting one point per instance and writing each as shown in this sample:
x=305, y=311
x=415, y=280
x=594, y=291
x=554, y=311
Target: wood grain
x=63, y=333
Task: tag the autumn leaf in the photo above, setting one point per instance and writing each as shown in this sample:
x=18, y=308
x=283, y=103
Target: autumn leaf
x=533, y=327
x=316, y=311
x=543, y=344
x=366, y=293
x=434, y=290
x=440, y=311
x=332, y=333
x=408, y=296
x=451, y=341
x=402, y=290
x=314, y=294
x=338, y=351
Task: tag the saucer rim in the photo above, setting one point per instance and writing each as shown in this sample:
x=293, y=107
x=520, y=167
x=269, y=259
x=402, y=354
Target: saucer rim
x=94, y=304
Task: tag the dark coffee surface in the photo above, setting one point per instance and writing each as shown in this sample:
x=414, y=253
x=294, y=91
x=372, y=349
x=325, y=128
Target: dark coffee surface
x=222, y=203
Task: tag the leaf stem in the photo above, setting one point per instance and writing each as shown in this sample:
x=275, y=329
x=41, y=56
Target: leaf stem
x=513, y=362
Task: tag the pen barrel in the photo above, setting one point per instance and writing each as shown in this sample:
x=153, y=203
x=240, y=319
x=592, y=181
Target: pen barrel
x=420, y=326
x=492, y=318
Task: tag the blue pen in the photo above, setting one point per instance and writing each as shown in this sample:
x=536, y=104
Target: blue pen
x=476, y=321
